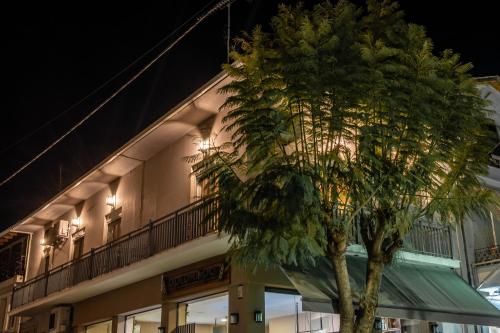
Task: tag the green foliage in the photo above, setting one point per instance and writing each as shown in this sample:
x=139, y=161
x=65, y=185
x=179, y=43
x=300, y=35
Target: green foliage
x=342, y=116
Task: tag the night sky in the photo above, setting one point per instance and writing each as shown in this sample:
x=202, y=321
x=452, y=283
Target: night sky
x=58, y=55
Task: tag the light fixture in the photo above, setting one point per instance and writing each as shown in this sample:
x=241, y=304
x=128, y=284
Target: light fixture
x=111, y=201
x=258, y=316
x=76, y=222
x=239, y=291
x=42, y=242
x=234, y=318
x=204, y=145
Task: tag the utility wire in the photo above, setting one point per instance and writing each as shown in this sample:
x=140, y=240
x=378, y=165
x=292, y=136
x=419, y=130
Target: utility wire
x=111, y=79
x=217, y=6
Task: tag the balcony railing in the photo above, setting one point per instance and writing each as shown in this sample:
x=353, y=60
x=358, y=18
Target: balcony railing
x=189, y=223
x=424, y=238
x=188, y=328
x=487, y=255
x=429, y=239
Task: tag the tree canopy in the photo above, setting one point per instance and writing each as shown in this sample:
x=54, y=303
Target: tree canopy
x=344, y=118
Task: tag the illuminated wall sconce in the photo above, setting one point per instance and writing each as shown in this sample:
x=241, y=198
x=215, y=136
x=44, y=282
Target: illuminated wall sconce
x=258, y=316
x=76, y=222
x=234, y=318
x=204, y=145
x=42, y=242
x=161, y=329
x=239, y=291
x=111, y=201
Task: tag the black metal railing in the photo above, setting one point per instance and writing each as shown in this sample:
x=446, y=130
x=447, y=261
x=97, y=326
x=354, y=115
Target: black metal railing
x=188, y=328
x=487, y=255
x=424, y=238
x=189, y=223
x=429, y=239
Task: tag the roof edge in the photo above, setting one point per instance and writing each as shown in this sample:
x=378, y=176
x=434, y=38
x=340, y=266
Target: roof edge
x=110, y=157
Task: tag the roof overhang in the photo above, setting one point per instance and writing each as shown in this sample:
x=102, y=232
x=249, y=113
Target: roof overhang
x=177, y=122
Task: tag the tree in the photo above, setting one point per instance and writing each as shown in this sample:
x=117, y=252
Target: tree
x=343, y=118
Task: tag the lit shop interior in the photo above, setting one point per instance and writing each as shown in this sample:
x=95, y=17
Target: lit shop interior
x=284, y=314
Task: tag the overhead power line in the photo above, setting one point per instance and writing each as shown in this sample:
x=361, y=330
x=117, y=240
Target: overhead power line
x=111, y=79
x=199, y=18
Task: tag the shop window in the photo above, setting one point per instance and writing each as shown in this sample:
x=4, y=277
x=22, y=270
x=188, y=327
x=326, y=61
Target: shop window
x=207, y=314
x=103, y=327
x=143, y=322
x=114, y=230
x=284, y=314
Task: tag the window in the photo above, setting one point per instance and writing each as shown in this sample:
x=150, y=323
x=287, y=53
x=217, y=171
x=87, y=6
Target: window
x=78, y=248
x=143, y=322
x=104, y=327
x=201, y=188
x=284, y=314
x=52, y=321
x=207, y=314
x=46, y=265
x=495, y=152
x=114, y=230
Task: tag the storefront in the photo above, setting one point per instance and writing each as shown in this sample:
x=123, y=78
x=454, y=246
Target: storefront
x=212, y=297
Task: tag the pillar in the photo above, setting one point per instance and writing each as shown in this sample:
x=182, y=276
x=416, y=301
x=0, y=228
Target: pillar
x=245, y=298
x=118, y=324
x=173, y=314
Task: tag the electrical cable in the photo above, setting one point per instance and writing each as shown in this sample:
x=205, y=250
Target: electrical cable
x=100, y=87
x=220, y=4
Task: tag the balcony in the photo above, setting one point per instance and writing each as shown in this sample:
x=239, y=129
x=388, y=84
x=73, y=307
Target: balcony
x=190, y=223
x=424, y=239
x=12, y=255
x=487, y=255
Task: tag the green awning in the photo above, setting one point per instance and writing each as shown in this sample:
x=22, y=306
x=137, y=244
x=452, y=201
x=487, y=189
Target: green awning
x=410, y=291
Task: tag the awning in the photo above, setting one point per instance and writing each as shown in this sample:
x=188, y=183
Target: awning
x=410, y=291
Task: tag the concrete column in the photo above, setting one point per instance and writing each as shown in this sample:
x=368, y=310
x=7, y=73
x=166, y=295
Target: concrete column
x=118, y=324
x=169, y=316
x=244, y=299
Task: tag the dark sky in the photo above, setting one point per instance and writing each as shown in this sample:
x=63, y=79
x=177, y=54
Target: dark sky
x=56, y=56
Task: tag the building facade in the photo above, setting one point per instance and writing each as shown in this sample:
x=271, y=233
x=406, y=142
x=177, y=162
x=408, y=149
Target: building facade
x=128, y=248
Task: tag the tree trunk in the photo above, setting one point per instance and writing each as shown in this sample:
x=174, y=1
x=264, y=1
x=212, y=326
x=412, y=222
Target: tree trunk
x=344, y=289
x=368, y=304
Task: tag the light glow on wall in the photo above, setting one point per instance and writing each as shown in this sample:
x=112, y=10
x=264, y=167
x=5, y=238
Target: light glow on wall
x=111, y=201
x=76, y=222
x=204, y=145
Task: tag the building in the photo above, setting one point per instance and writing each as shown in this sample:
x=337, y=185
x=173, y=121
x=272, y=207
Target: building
x=13, y=250
x=484, y=246
x=126, y=248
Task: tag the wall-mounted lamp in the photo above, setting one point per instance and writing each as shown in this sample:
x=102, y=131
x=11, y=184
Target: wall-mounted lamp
x=161, y=329
x=111, y=201
x=239, y=291
x=76, y=222
x=234, y=318
x=42, y=242
x=204, y=145
x=258, y=316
